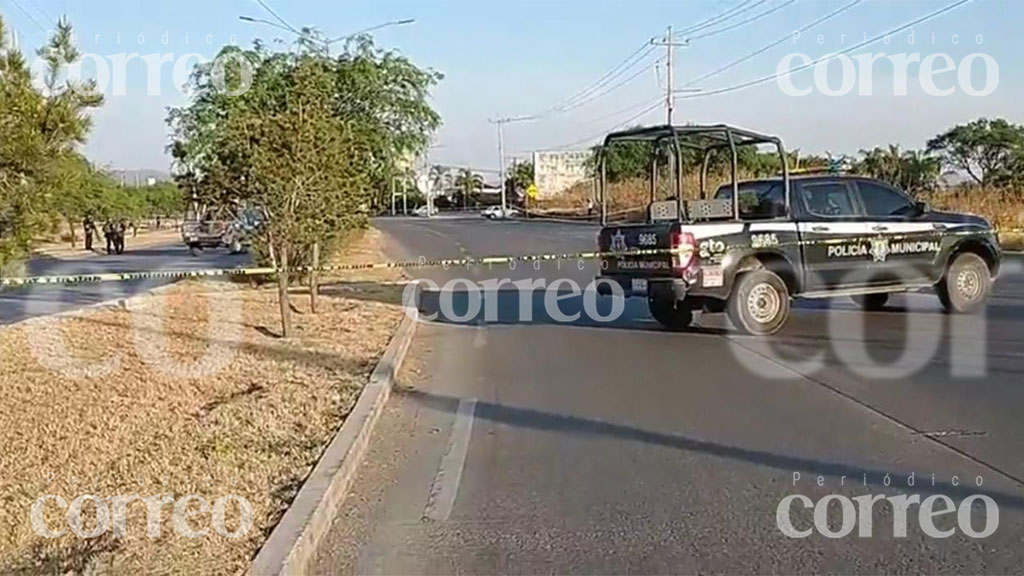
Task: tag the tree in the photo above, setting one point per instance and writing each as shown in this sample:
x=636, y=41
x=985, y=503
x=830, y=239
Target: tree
x=623, y=160
x=520, y=178
x=313, y=139
x=41, y=129
x=437, y=177
x=989, y=151
x=920, y=171
x=467, y=184
x=912, y=170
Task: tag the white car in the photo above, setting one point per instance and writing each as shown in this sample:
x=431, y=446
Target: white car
x=496, y=213
x=422, y=211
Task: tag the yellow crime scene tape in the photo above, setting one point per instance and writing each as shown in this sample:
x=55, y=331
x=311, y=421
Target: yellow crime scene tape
x=423, y=262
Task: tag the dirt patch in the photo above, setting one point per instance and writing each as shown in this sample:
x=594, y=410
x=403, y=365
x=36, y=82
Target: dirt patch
x=192, y=393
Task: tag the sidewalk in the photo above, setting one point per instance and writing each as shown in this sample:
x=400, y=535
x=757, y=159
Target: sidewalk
x=146, y=237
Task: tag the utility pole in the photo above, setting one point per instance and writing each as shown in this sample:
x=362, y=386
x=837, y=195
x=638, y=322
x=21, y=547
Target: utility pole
x=501, y=151
x=501, y=164
x=670, y=92
x=669, y=96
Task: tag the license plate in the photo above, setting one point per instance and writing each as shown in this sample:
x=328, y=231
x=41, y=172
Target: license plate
x=639, y=285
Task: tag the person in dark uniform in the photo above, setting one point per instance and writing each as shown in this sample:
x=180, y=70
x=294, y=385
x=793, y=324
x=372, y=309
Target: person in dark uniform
x=108, y=233
x=119, y=231
x=89, y=228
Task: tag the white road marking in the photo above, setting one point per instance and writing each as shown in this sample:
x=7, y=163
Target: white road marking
x=449, y=473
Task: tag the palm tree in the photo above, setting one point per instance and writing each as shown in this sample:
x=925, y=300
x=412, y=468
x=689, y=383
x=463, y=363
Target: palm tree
x=920, y=171
x=467, y=183
x=883, y=164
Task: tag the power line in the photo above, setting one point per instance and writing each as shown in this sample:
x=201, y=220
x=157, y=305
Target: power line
x=647, y=102
x=727, y=15
x=872, y=40
x=742, y=22
x=277, y=16
x=771, y=45
x=615, y=87
x=35, y=21
x=40, y=9
x=632, y=60
x=616, y=126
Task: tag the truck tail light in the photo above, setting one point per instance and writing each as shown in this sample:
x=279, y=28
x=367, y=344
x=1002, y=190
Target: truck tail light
x=684, y=251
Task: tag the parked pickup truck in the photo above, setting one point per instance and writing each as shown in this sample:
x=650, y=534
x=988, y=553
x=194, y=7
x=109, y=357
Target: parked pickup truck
x=821, y=236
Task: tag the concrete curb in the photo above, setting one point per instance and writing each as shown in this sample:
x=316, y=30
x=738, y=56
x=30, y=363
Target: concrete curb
x=292, y=544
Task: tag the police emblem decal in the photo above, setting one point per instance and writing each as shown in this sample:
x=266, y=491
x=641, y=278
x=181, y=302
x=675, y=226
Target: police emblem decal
x=880, y=249
x=619, y=242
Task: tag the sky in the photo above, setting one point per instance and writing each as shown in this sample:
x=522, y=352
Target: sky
x=506, y=58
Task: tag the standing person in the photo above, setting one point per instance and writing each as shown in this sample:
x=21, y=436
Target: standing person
x=108, y=233
x=89, y=228
x=119, y=231
x=590, y=206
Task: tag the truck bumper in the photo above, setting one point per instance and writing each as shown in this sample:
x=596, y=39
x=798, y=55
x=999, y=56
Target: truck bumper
x=675, y=288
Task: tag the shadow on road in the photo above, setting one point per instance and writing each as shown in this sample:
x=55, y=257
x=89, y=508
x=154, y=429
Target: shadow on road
x=581, y=426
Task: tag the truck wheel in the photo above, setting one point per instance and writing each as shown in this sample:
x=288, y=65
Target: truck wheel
x=759, y=303
x=673, y=317
x=871, y=301
x=966, y=286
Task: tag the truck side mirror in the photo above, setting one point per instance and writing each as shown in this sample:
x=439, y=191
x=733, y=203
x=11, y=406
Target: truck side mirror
x=921, y=208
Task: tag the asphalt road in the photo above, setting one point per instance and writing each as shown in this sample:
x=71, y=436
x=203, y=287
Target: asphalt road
x=542, y=446
x=19, y=303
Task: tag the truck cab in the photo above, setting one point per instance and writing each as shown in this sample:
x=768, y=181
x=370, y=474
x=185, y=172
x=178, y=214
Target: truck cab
x=818, y=236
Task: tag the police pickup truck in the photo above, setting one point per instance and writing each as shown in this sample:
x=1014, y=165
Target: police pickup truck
x=822, y=236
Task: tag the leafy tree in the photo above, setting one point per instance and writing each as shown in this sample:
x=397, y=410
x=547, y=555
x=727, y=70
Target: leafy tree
x=623, y=160
x=520, y=178
x=40, y=130
x=989, y=151
x=314, y=140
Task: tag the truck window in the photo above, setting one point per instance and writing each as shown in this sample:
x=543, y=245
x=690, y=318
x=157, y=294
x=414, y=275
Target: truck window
x=758, y=200
x=831, y=199
x=881, y=201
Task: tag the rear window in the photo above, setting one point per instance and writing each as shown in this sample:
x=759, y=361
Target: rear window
x=758, y=200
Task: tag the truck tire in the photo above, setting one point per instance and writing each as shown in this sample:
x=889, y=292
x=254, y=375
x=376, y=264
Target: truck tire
x=966, y=286
x=668, y=314
x=871, y=301
x=759, y=303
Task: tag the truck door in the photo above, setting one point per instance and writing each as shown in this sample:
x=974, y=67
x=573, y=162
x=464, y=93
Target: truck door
x=832, y=223
x=905, y=244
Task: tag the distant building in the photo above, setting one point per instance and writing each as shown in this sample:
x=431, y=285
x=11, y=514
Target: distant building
x=555, y=172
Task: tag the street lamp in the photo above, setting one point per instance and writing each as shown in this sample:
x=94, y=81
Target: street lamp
x=371, y=29
x=267, y=22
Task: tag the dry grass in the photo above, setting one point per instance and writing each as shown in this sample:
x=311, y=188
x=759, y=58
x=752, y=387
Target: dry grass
x=628, y=200
x=1004, y=208
x=626, y=197
x=152, y=425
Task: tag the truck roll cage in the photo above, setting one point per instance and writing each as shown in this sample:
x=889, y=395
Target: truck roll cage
x=707, y=139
